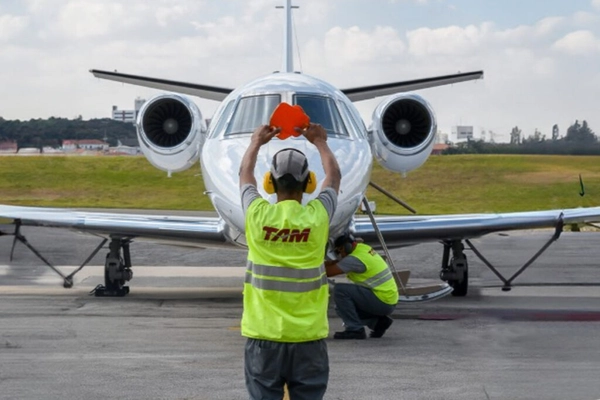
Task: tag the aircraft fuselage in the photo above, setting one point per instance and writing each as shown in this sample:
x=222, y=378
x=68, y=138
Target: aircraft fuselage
x=250, y=106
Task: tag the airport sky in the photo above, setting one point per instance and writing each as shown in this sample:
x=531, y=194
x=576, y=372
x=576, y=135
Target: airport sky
x=540, y=58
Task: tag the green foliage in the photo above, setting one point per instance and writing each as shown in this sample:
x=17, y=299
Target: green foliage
x=51, y=132
x=444, y=184
x=491, y=183
x=581, y=134
x=579, y=140
x=97, y=181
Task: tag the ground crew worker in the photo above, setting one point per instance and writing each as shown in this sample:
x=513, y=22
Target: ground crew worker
x=286, y=290
x=371, y=299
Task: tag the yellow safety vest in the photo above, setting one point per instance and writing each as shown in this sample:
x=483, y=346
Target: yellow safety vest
x=285, y=291
x=377, y=277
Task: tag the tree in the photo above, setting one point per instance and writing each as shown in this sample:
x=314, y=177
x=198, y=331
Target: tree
x=515, y=135
x=51, y=132
x=580, y=133
x=537, y=137
x=555, y=133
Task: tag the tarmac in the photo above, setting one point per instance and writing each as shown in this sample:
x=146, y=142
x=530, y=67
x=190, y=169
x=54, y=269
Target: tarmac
x=177, y=334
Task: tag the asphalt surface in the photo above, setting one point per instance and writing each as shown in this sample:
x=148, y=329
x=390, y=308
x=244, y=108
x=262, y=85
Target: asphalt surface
x=177, y=336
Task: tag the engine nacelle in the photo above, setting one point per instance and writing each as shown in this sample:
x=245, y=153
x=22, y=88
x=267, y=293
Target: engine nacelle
x=171, y=132
x=403, y=132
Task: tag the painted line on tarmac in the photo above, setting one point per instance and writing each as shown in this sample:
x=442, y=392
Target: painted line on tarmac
x=543, y=291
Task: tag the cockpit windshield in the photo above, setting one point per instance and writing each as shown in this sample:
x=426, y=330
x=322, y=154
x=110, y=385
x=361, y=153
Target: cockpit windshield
x=322, y=110
x=254, y=111
x=251, y=112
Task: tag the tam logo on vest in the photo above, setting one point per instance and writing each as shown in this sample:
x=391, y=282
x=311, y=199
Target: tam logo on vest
x=286, y=235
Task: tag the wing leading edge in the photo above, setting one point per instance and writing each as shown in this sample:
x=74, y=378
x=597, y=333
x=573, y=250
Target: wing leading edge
x=354, y=94
x=203, y=91
x=401, y=231
x=204, y=231
x=397, y=231
x=369, y=92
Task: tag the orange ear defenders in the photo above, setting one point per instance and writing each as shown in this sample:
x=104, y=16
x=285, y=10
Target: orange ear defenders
x=311, y=183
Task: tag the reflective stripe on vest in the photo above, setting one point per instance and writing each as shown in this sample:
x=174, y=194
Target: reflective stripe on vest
x=265, y=277
x=377, y=276
x=285, y=290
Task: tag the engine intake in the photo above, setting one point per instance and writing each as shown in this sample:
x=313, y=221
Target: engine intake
x=171, y=132
x=403, y=132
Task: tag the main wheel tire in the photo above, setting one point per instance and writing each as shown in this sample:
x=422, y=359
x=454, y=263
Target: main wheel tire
x=460, y=287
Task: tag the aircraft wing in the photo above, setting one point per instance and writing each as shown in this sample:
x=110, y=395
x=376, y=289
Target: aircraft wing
x=204, y=231
x=219, y=93
x=401, y=231
x=203, y=91
x=369, y=92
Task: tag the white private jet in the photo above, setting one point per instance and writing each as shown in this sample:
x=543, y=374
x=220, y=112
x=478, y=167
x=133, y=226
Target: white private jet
x=173, y=136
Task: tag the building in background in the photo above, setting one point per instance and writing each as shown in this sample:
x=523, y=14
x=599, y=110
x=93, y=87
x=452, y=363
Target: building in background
x=126, y=147
x=8, y=147
x=85, y=144
x=463, y=132
x=441, y=137
x=129, y=116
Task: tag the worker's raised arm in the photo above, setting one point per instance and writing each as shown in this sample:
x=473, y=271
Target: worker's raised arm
x=317, y=135
x=263, y=134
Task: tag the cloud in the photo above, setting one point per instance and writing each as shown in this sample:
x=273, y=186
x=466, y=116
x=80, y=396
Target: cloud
x=419, y=2
x=584, y=18
x=81, y=19
x=548, y=25
x=11, y=26
x=581, y=42
x=354, y=45
x=453, y=40
x=596, y=4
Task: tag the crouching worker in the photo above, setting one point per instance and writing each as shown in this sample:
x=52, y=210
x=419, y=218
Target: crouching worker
x=371, y=299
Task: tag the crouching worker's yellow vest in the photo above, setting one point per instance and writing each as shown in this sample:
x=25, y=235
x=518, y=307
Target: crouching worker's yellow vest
x=377, y=277
x=285, y=290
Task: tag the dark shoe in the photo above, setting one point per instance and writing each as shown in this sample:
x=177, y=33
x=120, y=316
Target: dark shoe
x=383, y=323
x=360, y=334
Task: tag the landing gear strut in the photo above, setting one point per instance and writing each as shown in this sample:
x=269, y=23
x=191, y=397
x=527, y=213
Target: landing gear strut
x=117, y=269
x=455, y=270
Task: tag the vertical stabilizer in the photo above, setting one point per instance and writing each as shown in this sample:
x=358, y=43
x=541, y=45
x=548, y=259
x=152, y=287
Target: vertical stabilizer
x=288, y=55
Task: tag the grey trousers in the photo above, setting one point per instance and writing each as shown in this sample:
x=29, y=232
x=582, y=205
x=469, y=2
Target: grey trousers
x=358, y=306
x=304, y=367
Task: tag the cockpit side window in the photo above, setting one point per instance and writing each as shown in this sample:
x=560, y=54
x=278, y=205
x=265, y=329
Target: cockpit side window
x=220, y=120
x=322, y=110
x=358, y=126
x=252, y=112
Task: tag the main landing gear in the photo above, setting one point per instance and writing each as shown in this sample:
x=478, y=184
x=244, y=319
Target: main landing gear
x=455, y=270
x=117, y=270
x=117, y=266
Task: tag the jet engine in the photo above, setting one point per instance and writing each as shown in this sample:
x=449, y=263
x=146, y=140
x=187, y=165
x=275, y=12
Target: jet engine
x=171, y=132
x=402, y=132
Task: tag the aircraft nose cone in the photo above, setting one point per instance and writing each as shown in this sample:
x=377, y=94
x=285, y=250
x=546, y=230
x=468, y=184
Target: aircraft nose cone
x=170, y=126
x=403, y=127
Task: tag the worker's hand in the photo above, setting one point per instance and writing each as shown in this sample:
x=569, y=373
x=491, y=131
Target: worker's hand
x=314, y=133
x=263, y=134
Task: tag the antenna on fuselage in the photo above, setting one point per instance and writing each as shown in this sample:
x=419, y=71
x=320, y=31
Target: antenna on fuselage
x=288, y=55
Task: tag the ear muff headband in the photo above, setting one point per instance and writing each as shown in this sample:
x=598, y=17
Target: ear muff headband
x=309, y=187
x=347, y=243
x=348, y=247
